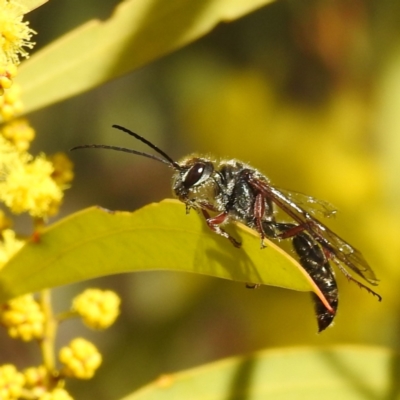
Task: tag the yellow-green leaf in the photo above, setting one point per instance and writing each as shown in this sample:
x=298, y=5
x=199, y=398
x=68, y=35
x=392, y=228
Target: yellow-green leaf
x=138, y=32
x=29, y=5
x=96, y=242
x=342, y=372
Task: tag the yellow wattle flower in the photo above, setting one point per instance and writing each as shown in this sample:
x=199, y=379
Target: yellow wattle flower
x=26, y=183
x=15, y=35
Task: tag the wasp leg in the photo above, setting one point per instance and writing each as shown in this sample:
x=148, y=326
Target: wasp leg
x=264, y=219
x=292, y=231
x=214, y=224
x=295, y=230
x=350, y=278
x=259, y=211
x=275, y=230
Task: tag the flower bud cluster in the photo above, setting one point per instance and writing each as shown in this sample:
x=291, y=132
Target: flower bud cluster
x=23, y=318
x=98, y=308
x=11, y=382
x=7, y=73
x=36, y=380
x=80, y=358
x=19, y=132
x=10, y=103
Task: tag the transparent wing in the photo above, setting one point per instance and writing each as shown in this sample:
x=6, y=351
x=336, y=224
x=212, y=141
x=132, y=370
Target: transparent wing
x=310, y=204
x=337, y=248
x=346, y=253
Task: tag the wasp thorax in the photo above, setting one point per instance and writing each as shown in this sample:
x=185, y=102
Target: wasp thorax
x=194, y=180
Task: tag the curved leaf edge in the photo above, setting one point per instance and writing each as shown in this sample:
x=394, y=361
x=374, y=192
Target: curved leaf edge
x=346, y=363
x=14, y=273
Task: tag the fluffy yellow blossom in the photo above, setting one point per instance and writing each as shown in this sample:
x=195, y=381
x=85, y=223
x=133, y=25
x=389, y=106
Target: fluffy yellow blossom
x=15, y=35
x=26, y=184
x=23, y=318
x=10, y=157
x=19, y=132
x=11, y=382
x=63, y=169
x=81, y=359
x=98, y=308
x=31, y=189
x=9, y=245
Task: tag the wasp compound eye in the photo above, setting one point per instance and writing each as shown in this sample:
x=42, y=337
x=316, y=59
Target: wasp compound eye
x=197, y=174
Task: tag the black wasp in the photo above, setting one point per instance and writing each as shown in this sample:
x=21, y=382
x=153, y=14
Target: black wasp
x=234, y=191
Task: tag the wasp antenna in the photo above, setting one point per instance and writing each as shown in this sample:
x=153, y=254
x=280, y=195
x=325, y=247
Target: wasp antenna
x=123, y=149
x=148, y=143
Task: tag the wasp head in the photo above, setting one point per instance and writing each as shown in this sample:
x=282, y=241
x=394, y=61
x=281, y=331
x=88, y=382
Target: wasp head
x=194, y=182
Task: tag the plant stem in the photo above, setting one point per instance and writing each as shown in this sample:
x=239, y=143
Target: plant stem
x=66, y=315
x=49, y=334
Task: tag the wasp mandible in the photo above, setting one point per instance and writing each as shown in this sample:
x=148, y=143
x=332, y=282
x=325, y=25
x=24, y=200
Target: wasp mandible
x=229, y=190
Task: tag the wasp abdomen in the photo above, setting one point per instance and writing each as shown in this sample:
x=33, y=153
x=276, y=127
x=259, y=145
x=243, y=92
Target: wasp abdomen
x=313, y=260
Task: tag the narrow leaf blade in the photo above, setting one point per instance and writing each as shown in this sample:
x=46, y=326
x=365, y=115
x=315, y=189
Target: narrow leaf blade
x=95, y=242
x=342, y=372
x=138, y=32
x=29, y=5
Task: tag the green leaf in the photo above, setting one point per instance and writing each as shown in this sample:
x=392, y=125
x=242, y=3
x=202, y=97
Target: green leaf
x=30, y=5
x=96, y=242
x=138, y=32
x=342, y=372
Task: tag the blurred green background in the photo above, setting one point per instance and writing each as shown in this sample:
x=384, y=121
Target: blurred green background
x=306, y=91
